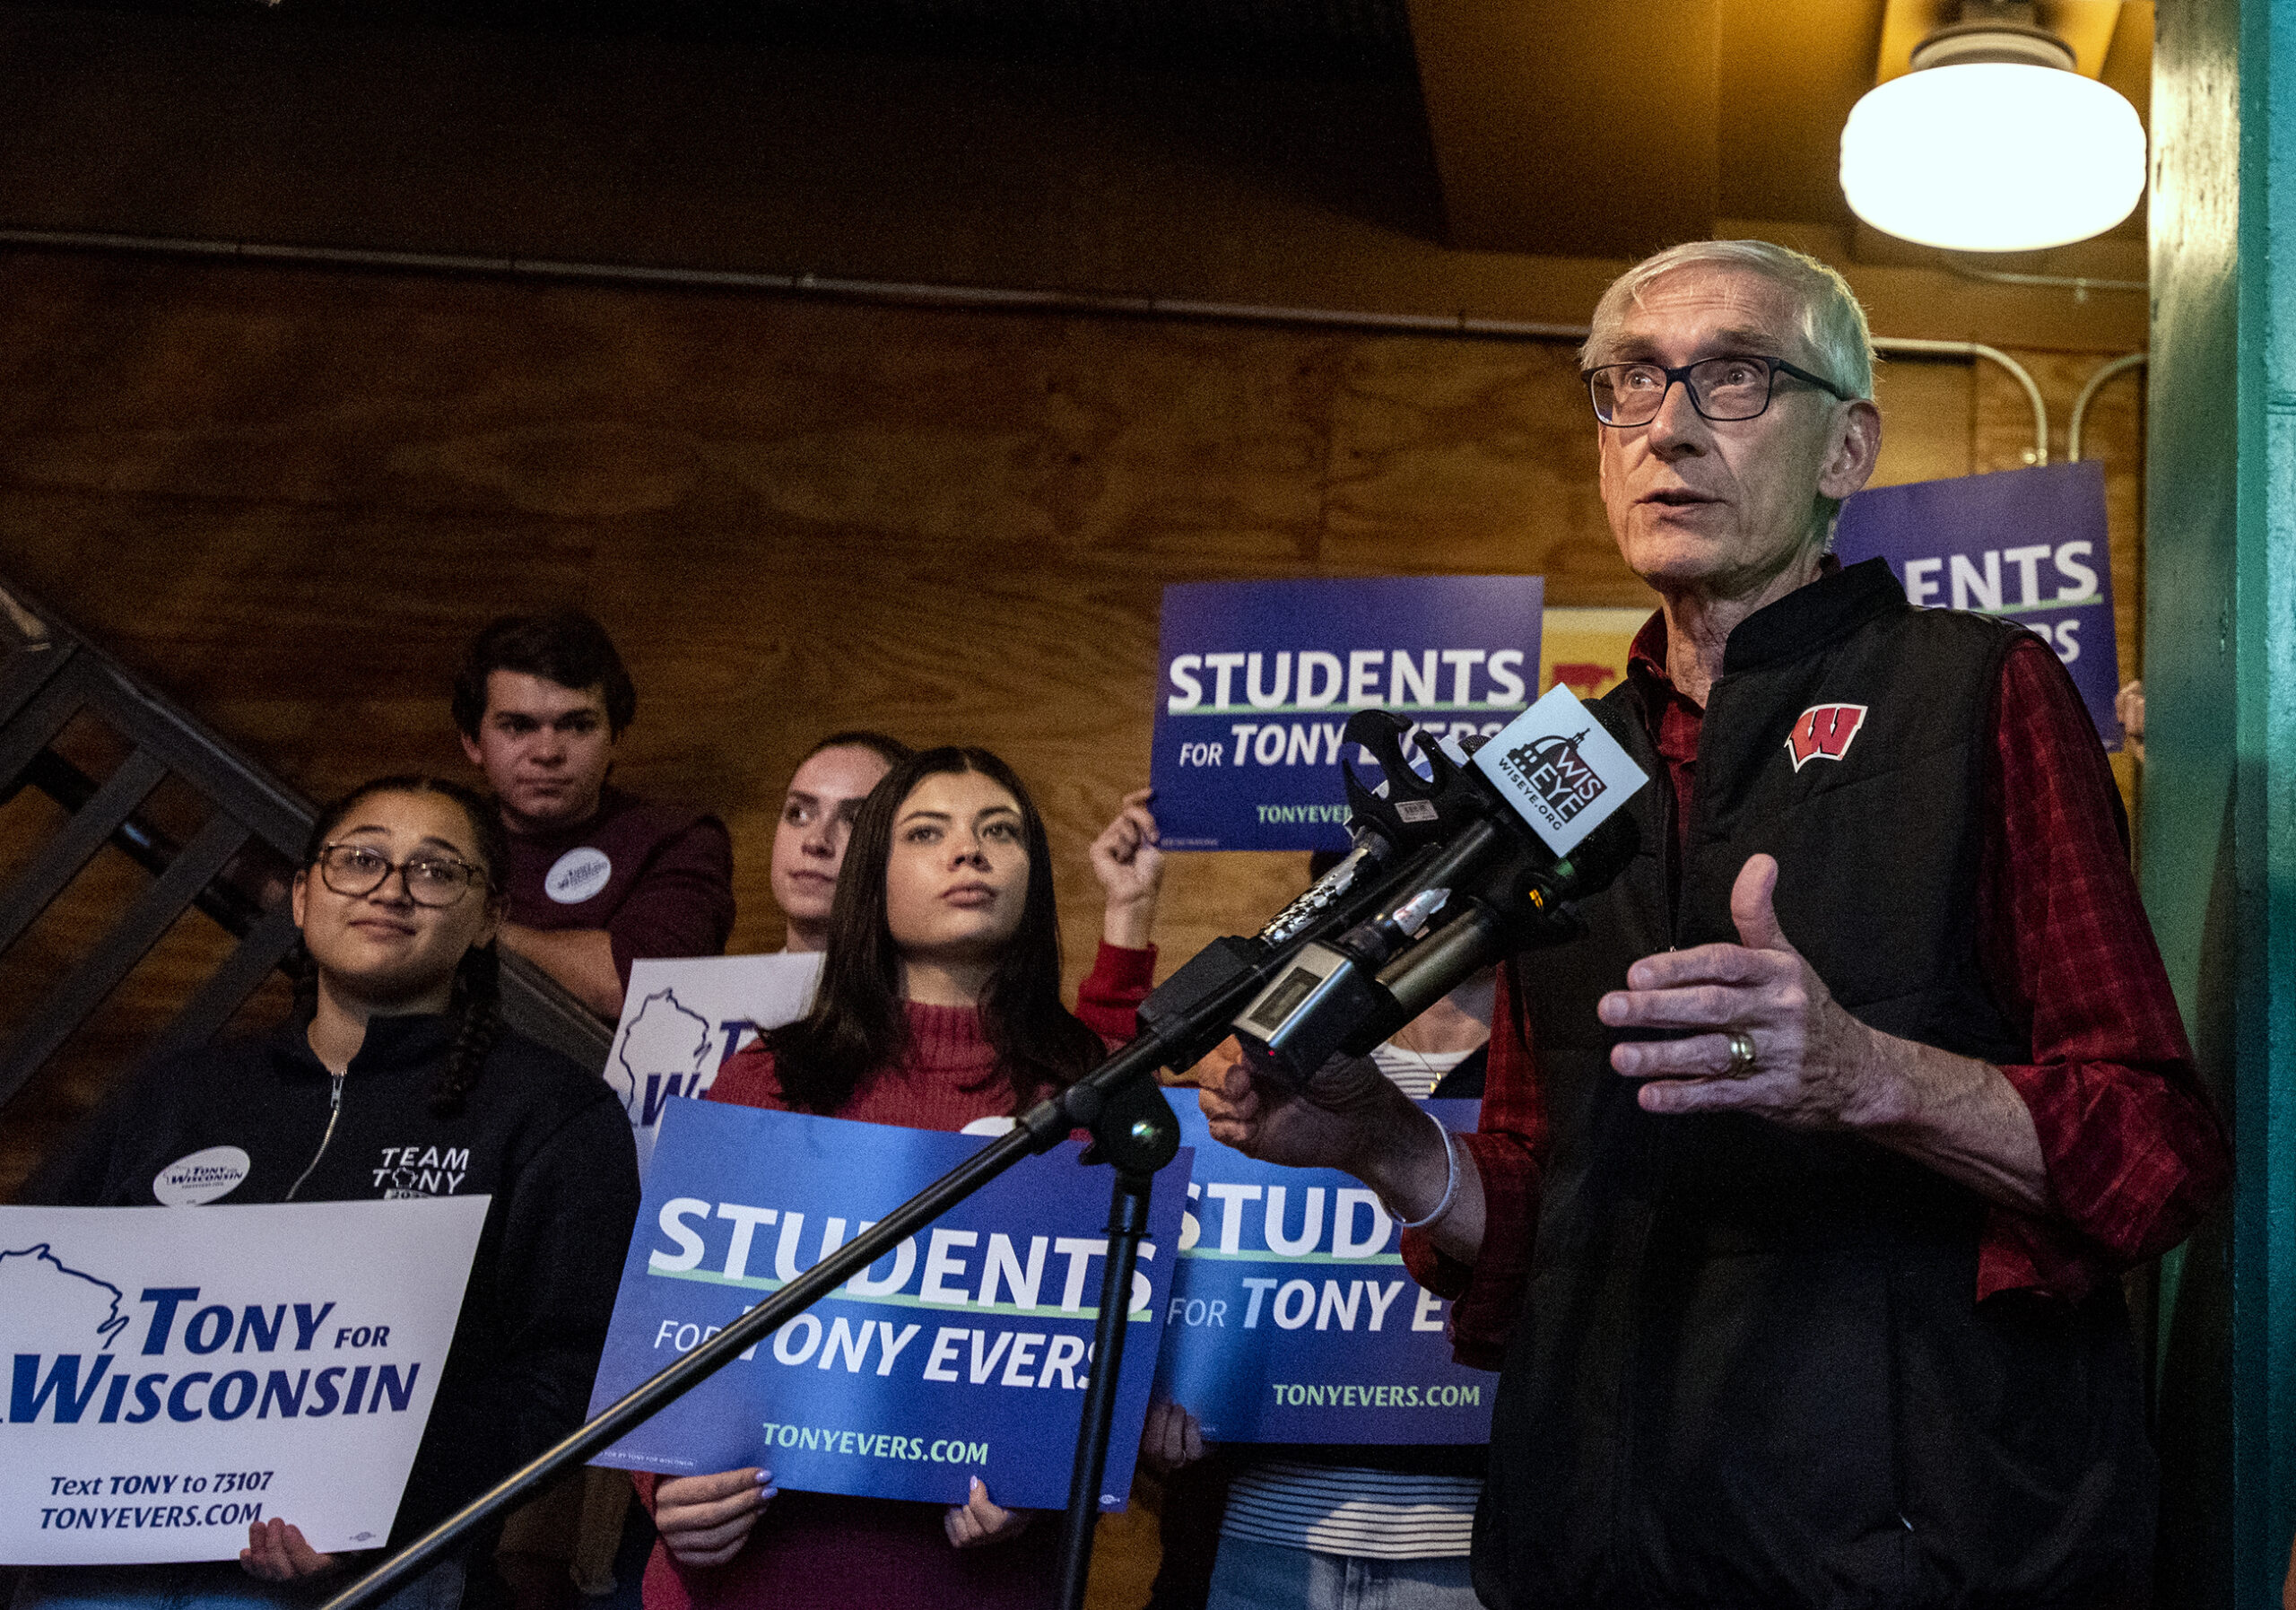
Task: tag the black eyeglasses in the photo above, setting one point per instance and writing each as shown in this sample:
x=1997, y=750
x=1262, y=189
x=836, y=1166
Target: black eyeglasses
x=1720, y=388
x=355, y=870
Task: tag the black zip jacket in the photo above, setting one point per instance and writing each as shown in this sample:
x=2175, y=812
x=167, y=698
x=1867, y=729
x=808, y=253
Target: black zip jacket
x=547, y=1140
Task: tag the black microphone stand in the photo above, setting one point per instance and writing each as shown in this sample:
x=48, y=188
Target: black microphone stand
x=1127, y=1218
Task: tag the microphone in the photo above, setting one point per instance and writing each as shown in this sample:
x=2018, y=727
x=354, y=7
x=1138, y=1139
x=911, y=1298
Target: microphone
x=1388, y=853
x=1511, y=835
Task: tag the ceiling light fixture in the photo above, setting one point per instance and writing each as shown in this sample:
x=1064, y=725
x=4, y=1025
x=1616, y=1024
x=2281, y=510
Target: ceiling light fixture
x=1993, y=142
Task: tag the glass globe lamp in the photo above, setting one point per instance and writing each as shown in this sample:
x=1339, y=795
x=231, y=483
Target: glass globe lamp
x=1993, y=143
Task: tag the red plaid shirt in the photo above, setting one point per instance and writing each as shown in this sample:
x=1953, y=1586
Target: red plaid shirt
x=2133, y=1145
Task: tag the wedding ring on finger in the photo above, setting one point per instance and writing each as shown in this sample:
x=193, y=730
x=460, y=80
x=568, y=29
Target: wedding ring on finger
x=1741, y=1054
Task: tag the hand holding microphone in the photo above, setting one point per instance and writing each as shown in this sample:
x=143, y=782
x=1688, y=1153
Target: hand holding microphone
x=1341, y=1113
x=1510, y=840
x=1507, y=841
x=1334, y=1118
x=1350, y=1116
x=1305, y=1125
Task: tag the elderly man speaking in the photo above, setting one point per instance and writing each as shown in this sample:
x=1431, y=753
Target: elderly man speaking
x=1803, y=1179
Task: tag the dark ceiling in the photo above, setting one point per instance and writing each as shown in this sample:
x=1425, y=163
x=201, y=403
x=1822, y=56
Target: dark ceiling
x=1352, y=40
x=1192, y=147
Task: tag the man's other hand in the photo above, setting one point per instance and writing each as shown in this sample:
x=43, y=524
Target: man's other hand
x=2128, y=706
x=1348, y=1116
x=1809, y=1056
x=1815, y=1066
x=581, y=959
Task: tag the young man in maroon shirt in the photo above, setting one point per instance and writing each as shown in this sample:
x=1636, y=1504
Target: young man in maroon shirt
x=597, y=877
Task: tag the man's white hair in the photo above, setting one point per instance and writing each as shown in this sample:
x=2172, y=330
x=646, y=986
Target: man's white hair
x=1833, y=326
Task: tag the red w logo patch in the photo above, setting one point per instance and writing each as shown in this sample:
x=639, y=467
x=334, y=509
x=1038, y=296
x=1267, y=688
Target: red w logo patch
x=1823, y=732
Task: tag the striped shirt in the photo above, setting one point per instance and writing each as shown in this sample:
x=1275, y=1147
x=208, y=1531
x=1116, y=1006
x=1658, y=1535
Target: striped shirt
x=1417, y=1073
x=1345, y=1509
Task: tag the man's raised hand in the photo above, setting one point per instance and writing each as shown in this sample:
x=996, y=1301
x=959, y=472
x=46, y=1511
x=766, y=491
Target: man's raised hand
x=1815, y=1066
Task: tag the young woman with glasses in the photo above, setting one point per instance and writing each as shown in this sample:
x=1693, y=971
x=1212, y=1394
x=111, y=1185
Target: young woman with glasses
x=939, y=1008
x=393, y=1077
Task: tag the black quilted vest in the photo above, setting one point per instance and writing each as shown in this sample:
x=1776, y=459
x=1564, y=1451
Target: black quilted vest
x=1751, y=1368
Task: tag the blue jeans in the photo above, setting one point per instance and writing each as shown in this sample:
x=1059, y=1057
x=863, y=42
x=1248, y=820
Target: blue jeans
x=214, y=1585
x=1263, y=1576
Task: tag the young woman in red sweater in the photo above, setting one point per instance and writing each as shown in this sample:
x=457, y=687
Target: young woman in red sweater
x=939, y=1008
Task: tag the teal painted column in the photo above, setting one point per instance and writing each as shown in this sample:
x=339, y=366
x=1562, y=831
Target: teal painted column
x=2220, y=786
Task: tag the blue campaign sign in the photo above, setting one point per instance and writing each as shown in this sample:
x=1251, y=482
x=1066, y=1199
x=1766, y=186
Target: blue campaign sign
x=1291, y=1318
x=2027, y=544
x=965, y=1352
x=1257, y=679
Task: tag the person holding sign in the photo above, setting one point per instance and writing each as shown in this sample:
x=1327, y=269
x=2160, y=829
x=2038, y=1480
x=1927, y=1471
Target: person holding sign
x=1804, y=1178
x=939, y=1008
x=1266, y=1523
x=393, y=1077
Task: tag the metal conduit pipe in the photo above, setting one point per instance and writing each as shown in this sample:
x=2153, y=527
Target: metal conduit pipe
x=2080, y=285
x=1913, y=347
x=2105, y=372
x=932, y=295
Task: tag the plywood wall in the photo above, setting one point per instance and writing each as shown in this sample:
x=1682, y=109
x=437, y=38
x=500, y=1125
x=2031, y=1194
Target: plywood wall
x=288, y=496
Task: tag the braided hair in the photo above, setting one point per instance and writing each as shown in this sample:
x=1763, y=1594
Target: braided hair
x=477, y=1002
x=477, y=997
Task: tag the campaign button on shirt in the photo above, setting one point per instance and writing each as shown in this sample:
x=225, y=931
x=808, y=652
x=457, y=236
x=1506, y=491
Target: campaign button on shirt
x=577, y=874
x=200, y=1176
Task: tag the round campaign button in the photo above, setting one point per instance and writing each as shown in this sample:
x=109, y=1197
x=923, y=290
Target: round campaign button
x=577, y=874
x=200, y=1176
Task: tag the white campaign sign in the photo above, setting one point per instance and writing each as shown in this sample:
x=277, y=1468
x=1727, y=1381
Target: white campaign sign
x=681, y=1019
x=174, y=1374
x=1560, y=769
